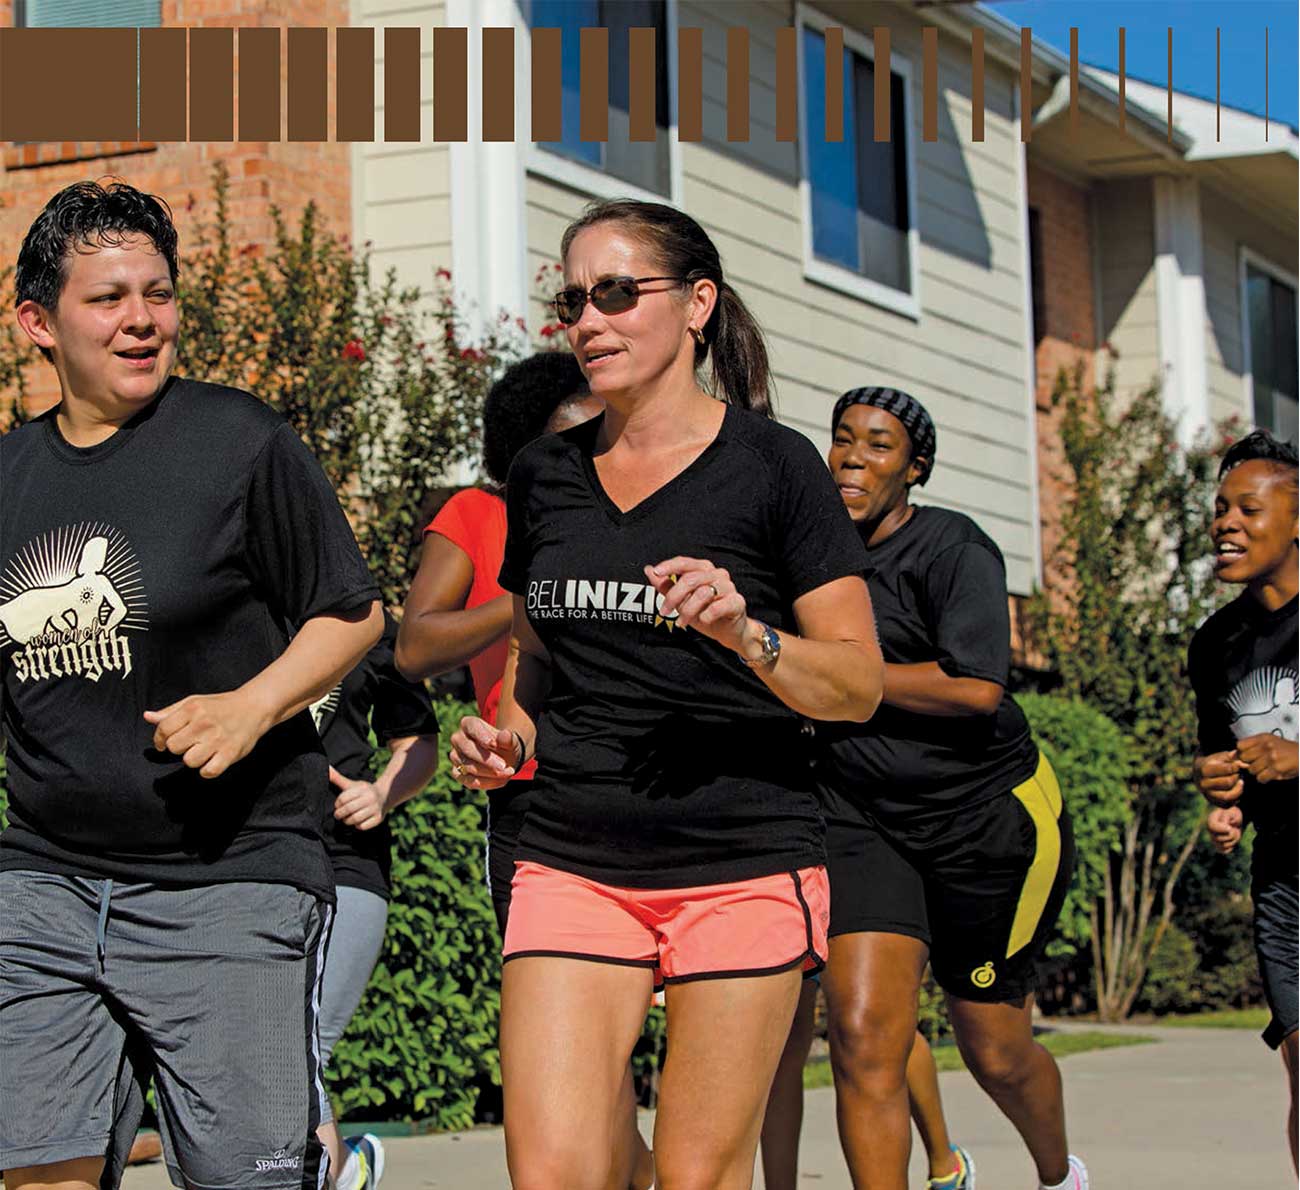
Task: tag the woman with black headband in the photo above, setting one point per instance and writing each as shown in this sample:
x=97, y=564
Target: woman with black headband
x=947, y=839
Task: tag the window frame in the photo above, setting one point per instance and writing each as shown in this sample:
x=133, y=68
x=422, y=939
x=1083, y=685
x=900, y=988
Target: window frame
x=593, y=180
x=1248, y=259
x=823, y=272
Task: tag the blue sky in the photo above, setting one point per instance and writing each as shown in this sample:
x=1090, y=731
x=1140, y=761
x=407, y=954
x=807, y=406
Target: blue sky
x=1193, y=22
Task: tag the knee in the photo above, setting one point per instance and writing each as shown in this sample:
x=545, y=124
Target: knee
x=558, y=1167
x=996, y=1065
x=690, y=1171
x=869, y=1051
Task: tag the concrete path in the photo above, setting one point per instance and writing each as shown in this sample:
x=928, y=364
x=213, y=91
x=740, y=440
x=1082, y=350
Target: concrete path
x=1203, y=1109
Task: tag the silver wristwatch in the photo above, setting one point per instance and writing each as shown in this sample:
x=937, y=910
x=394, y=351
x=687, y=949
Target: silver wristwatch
x=771, y=643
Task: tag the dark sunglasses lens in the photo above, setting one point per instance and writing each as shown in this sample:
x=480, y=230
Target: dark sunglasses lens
x=569, y=304
x=615, y=295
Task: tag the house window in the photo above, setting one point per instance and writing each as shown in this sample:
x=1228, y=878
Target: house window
x=101, y=14
x=859, y=204
x=1271, y=342
x=643, y=164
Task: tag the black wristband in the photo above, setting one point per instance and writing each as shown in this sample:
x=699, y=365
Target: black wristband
x=523, y=752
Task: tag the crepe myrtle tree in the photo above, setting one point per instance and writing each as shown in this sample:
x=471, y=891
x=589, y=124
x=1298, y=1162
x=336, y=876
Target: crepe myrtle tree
x=1128, y=585
x=384, y=383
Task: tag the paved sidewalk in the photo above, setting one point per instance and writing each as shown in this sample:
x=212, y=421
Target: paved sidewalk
x=1202, y=1109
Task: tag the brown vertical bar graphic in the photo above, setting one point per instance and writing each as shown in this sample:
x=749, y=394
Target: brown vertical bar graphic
x=1074, y=84
x=834, y=84
x=259, y=84
x=354, y=51
x=1169, y=89
x=212, y=84
x=308, y=84
x=401, y=84
x=787, y=85
x=690, y=84
x=1123, y=114
x=884, y=124
x=641, y=84
x=499, y=84
x=930, y=83
x=1026, y=84
x=737, y=83
x=548, y=116
x=1218, y=48
x=162, y=84
x=451, y=83
x=38, y=105
x=977, y=84
x=593, y=71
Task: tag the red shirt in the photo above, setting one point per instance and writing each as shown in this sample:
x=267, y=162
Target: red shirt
x=475, y=521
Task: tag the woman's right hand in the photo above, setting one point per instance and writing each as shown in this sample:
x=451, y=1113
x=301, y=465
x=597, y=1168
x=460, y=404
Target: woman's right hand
x=482, y=756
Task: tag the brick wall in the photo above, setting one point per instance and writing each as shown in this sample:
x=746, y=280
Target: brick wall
x=286, y=174
x=1068, y=326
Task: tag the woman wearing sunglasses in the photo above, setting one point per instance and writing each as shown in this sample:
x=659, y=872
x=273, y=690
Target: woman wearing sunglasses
x=686, y=587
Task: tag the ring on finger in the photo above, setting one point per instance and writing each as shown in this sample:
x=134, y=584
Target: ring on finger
x=716, y=593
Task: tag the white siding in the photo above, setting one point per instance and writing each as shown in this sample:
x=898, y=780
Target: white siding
x=966, y=357
x=401, y=197
x=1226, y=228
x=1126, y=252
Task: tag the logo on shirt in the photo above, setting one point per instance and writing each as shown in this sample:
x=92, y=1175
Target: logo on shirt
x=325, y=706
x=598, y=599
x=69, y=600
x=1264, y=702
x=280, y=1159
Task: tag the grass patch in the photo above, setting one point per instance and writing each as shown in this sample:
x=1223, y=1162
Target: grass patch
x=1224, y=1018
x=947, y=1057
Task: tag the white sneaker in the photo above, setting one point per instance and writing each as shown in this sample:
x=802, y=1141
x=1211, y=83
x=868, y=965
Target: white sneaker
x=369, y=1150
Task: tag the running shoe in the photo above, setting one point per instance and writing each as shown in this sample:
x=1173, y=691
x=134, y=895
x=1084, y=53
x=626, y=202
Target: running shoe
x=369, y=1150
x=1076, y=1179
x=962, y=1179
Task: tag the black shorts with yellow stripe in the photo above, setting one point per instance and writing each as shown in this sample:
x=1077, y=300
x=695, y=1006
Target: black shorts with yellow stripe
x=982, y=885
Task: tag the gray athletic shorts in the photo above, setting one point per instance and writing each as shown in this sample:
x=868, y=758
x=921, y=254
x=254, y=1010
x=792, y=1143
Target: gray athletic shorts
x=355, y=940
x=214, y=991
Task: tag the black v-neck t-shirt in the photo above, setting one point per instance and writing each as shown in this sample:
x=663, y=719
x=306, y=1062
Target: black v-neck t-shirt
x=1243, y=670
x=174, y=558
x=662, y=760
x=373, y=703
x=939, y=592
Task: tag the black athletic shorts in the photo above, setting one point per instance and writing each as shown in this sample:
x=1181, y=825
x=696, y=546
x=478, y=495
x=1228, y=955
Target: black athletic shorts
x=982, y=887
x=1277, y=933
x=507, y=808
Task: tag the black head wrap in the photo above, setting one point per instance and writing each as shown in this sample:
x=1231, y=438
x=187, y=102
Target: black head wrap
x=916, y=421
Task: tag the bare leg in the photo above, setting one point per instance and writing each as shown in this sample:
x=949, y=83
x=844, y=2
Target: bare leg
x=567, y=1032
x=1021, y=1077
x=1289, y=1047
x=81, y=1173
x=784, y=1117
x=872, y=982
x=328, y=1135
x=927, y=1108
x=634, y=1153
x=725, y=1038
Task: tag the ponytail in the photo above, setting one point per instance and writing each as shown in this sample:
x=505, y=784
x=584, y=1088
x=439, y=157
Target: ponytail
x=740, y=371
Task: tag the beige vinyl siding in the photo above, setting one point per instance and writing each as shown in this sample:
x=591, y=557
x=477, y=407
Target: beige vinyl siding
x=402, y=191
x=966, y=358
x=1225, y=228
x=1126, y=253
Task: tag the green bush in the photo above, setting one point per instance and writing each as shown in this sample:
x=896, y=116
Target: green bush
x=1171, y=983
x=1227, y=972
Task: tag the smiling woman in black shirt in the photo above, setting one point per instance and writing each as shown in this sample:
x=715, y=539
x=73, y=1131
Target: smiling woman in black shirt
x=947, y=839
x=686, y=587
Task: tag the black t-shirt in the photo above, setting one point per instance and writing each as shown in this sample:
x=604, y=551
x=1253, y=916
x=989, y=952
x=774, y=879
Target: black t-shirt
x=663, y=761
x=939, y=592
x=373, y=697
x=1242, y=665
x=174, y=558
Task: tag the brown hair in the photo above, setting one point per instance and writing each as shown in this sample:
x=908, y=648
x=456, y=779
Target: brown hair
x=740, y=371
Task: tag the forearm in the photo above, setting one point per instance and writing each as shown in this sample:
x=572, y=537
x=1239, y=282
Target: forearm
x=433, y=642
x=925, y=689
x=412, y=764
x=838, y=680
x=524, y=687
x=323, y=651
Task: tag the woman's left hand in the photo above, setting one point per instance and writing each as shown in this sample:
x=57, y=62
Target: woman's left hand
x=701, y=596
x=358, y=804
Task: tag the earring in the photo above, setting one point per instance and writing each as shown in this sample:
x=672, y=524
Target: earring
x=697, y=335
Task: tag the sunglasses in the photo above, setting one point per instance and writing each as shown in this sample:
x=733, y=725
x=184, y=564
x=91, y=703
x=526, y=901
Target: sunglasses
x=614, y=295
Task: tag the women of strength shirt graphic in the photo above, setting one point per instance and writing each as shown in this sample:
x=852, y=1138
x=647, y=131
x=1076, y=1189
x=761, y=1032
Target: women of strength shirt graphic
x=69, y=601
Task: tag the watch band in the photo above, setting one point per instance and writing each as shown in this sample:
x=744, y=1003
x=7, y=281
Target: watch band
x=771, y=643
